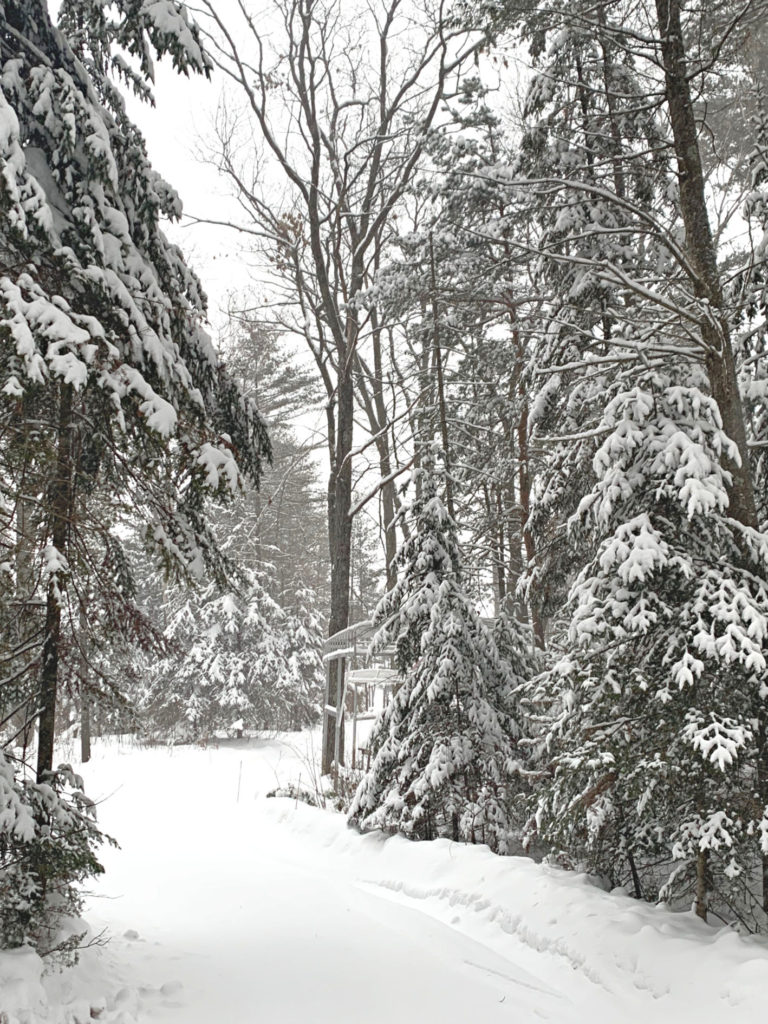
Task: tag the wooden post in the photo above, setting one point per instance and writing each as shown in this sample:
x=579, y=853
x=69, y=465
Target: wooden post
x=327, y=759
x=338, y=751
x=354, y=726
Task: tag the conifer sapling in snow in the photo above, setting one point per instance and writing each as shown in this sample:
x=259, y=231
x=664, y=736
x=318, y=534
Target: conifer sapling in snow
x=235, y=657
x=446, y=756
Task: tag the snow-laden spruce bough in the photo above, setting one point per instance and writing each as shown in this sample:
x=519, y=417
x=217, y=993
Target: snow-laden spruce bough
x=114, y=402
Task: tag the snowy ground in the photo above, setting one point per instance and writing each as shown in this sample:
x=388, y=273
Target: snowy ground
x=225, y=907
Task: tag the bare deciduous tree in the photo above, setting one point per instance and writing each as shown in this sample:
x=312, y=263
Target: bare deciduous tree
x=337, y=101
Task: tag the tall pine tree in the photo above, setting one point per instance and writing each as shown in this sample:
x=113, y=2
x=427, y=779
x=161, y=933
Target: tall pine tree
x=110, y=386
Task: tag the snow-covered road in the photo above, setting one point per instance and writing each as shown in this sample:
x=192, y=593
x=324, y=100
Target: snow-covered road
x=225, y=907
x=240, y=919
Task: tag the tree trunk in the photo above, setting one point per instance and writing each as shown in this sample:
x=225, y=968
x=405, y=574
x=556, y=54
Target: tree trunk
x=700, y=249
x=702, y=884
x=524, y=484
x=441, y=407
x=85, y=695
x=496, y=546
x=378, y=422
x=340, y=529
x=762, y=788
x=606, y=47
x=524, y=474
x=85, y=726
x=27, y=614
x=60, y=512
x=388, y=511
x=635, y=876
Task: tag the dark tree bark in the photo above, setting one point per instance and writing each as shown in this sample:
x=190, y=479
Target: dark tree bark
x=61, y=497
x=340, y=551
x=27, y=619
x=378, y=419
x=701, y=900
x=85, y=727
x=702, y=255
x=520, y=436
x=85, y=693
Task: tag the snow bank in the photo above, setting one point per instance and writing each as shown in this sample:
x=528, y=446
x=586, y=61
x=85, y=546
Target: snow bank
x=33, y=991
x=690, y=970
x=21, y=985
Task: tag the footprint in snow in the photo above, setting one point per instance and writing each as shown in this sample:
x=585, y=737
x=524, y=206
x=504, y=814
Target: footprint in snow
x=126, y=1003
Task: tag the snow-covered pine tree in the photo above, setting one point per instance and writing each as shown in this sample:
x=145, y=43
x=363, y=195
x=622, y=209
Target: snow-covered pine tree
x=471, y=232
x=304, y=642
x=594, y=155
x=279, y=528
x=445, y=748
x=110, y=387
x=48, y=843
x=235, y=659
x=516, y=643
x=613, y=238
x=653, y=742
x=429, y=555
